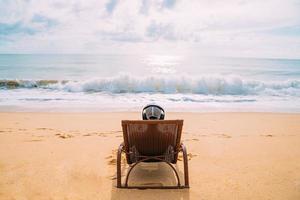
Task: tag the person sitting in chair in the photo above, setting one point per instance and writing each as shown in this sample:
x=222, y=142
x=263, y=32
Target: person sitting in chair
x=153, y=112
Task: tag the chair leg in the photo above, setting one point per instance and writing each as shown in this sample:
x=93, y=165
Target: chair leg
x=186, y=169
x=119, y=183
x=185, y=162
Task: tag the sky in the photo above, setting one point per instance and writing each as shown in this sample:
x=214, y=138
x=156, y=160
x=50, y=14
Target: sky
x=229, y=28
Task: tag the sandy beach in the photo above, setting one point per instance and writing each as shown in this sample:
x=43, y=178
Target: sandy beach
x=73, y=156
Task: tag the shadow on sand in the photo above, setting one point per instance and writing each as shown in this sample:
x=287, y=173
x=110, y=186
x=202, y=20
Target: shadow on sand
x=151, y=174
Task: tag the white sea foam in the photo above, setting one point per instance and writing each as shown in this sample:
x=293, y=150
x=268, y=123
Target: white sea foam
x=206, y=85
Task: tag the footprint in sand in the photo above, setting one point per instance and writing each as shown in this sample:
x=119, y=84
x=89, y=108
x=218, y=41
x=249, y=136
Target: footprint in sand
x=202, y=135
x=112, y=159
x=113, y=177
x=267, y=135
x=8, y=130
x=102, y=134
x=64, y=135
x=45, y=129
x=223, y=135
x=41, y=129
x=111, y=132
x=33, y=140
x=193, y=139
x=96, y=133
x=189, y=155
x=88, y=134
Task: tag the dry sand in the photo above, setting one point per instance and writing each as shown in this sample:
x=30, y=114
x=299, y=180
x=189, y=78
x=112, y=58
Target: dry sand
x=72, y=156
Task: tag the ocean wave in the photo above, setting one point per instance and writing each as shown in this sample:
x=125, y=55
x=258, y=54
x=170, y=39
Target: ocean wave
x=207, y=85
x=13, y=84
x=206, y=100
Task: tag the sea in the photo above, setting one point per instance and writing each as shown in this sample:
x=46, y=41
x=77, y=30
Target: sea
x=178, y=83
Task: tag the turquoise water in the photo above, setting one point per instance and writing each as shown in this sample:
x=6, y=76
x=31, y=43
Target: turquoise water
x=78, y=67
x=128, y=82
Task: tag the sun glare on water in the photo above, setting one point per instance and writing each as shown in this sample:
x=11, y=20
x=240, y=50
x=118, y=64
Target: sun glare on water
x=163, y=64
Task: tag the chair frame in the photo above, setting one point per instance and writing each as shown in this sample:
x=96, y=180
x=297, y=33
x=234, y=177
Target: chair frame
x=180, y=147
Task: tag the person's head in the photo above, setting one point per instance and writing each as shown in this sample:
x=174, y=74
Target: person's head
x=153, y=112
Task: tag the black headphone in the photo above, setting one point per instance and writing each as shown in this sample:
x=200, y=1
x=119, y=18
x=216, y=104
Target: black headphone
x=162, y=116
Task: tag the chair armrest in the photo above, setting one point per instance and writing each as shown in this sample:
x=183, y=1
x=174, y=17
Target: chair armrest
x=121, y=146
x=182, y=147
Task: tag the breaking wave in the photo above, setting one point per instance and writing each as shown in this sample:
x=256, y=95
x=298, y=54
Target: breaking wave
x=210, y=85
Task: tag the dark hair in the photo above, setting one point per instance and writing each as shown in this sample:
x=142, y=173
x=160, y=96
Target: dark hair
x=160, y=117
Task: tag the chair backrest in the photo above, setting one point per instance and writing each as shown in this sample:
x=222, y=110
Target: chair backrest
x=151, y=137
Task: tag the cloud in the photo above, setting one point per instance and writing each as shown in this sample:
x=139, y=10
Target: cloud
x=15, y=28
x=232, y=27
x=169, y=3
x=161, y=31
x=290, y=31
x=119, y=36
x=44, y=21
x=110, y=6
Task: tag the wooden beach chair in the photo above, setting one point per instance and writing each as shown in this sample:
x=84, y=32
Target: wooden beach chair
x=152, y=141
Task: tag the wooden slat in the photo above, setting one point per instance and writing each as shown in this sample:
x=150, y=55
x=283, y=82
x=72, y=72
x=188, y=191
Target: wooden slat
x=152, y=137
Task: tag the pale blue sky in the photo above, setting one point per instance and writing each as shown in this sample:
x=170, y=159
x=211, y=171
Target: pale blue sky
x=247, y=28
